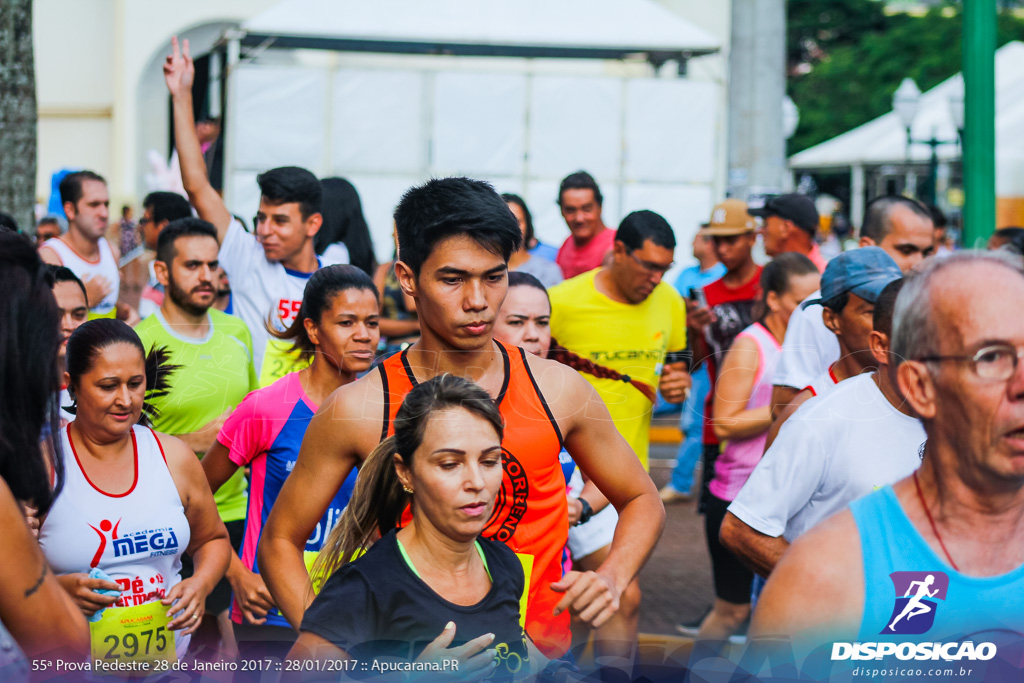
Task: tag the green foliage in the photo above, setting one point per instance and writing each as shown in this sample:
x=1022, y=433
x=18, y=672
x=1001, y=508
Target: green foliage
x=854, y=76
x=816, y=27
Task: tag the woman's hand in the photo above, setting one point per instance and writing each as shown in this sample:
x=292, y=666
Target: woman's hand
x=474, y=661
x=251, y=593
x=82, y=590
x=191, y=603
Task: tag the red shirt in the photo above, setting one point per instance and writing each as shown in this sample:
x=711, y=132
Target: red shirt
x=574, y=260
x=733, y=311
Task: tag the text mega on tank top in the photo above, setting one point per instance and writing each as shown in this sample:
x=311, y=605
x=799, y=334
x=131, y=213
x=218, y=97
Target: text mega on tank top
x=136, y=537
x=105, y=267
x=530, y=514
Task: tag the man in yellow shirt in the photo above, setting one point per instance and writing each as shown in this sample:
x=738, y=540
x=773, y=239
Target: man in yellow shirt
x=624, y=318
x=626, y=330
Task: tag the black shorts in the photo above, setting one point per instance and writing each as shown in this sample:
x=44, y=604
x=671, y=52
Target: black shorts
x=709, y=455
x=732, y=578
x=219, y=598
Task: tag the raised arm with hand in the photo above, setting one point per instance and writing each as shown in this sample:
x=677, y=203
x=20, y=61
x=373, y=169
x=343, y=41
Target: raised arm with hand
x=179, y=74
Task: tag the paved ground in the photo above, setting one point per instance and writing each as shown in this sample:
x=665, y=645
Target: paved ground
x=676, y=582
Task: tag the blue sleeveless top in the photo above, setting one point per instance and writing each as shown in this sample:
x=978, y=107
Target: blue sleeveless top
x=913, y=595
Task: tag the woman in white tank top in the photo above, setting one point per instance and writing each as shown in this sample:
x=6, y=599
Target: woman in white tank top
x=133, y=501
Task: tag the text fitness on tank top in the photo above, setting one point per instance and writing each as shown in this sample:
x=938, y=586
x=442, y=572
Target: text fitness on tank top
x=530, y=514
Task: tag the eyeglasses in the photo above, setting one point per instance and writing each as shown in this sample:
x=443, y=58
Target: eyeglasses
x=651, y=267
x=997, y=362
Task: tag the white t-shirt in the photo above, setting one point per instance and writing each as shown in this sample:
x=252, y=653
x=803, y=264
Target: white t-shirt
x=832, y=451
x=824, y=384
x=809, y=349
x=260, y=289
x=336, y=254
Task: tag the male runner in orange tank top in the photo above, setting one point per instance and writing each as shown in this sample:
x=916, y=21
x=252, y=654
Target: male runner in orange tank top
x=455, y=236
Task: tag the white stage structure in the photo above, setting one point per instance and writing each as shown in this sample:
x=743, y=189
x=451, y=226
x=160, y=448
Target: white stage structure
x=517, y=92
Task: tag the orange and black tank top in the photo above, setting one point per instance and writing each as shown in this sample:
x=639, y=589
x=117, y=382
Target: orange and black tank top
x=530, y=514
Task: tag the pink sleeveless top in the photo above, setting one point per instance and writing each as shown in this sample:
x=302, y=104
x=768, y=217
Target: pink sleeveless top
x=740, y=456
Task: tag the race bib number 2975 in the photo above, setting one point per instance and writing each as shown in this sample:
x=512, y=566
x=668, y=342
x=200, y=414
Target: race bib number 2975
x=136, y=634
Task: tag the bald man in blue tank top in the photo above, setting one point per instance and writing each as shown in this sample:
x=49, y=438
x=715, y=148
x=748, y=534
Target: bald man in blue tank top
x=929, y=573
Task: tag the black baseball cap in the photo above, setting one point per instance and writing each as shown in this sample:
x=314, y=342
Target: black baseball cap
x=791, y=207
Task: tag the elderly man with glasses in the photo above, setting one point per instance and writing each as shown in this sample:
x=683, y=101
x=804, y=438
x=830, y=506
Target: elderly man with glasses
x=958, y=340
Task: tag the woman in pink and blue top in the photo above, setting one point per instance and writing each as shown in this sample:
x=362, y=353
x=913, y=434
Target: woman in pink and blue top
x=742, y=413
x=338, y=328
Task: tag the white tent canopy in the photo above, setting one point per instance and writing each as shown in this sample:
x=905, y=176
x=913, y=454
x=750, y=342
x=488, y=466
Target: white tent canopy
x=884, y=140
x=595, y=29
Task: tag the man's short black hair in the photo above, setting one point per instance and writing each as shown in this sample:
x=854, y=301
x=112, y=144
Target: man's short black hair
x=289, y=184
x=55, y=274
x=580, y=180
x=183, y=227
x=837, y=303
x=71, y=185
x=640, y=226
x=166, y=206
x=938, y=218
x=878, y=215
x=445, y=207
x=881, y=321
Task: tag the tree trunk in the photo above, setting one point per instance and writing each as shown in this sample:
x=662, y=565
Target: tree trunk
x=17, y=113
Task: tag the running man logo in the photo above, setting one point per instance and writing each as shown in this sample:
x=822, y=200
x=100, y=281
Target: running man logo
x=916, y=595
x=105, y=528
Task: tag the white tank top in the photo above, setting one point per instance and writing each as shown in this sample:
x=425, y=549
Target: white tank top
x=105, y=267
x=137, y=537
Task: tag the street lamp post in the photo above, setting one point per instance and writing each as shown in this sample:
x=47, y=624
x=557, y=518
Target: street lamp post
x=906, y=102
x=979, y=47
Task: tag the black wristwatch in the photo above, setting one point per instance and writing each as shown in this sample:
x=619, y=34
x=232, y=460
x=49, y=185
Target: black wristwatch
x=587, y=513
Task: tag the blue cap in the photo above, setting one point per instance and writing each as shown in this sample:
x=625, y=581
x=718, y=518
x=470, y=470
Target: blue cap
x=865, y=272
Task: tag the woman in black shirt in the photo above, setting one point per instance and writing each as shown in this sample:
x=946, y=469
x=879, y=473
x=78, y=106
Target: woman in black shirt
x=434, y=590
